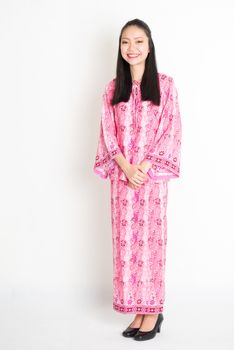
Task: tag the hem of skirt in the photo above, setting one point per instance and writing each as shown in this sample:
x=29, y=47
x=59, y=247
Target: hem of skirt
x=138, y=309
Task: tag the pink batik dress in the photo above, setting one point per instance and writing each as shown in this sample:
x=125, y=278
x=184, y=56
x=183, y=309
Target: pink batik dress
x=140, y=131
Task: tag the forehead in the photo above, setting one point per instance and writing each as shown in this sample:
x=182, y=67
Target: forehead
x=133, y=32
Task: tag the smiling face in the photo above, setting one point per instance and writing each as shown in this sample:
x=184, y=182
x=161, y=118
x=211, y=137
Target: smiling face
x=134, y=45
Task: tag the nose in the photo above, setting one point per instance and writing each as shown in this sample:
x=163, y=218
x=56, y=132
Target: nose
x=131, y=47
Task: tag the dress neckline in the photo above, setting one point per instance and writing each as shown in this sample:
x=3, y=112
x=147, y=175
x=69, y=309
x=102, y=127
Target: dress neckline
x=136, y=81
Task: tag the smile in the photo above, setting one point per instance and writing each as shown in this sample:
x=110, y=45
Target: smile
x=132, y=56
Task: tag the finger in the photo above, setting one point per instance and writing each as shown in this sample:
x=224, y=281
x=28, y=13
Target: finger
x=134, y=182
x=139, y=180
x=137, y=184
x=140, y=168
x=141, y=173
x=140, y=176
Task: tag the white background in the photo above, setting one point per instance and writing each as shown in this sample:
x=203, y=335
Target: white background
x=55, y=226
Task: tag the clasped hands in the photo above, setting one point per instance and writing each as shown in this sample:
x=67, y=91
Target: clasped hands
x=137, y=174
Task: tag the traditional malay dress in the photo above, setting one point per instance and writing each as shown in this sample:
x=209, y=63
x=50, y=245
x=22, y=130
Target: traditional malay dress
x=140, y=131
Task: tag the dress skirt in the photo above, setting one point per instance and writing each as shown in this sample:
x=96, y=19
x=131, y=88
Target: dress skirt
x=139, y=238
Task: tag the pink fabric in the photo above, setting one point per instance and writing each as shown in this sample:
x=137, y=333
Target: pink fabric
x=139, y=130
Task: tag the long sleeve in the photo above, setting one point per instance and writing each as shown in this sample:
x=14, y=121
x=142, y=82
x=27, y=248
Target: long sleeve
x=164, y=152
x=108, y=146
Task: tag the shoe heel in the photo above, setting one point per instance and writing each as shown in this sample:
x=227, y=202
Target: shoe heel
x=159, y=328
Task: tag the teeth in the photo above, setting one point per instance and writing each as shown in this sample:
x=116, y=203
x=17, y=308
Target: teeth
x=133, y=55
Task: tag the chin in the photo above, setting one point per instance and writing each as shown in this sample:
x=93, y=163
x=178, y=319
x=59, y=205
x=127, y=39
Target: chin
x=135, y=63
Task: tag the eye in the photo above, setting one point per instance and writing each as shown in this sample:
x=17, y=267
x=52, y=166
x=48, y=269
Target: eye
x=140, y=41
x=124, y=42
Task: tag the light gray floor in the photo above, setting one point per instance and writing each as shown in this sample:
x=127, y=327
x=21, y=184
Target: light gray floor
x=33, y=320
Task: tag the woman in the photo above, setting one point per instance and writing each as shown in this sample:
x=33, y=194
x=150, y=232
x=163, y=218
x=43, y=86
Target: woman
x=139, y=151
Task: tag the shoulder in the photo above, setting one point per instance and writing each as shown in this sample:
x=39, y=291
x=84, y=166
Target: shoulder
x=167, y=84
x=165, y=79
x=109, y=86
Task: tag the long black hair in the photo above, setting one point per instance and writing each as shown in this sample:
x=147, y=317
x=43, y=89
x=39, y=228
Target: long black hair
x=150, y=89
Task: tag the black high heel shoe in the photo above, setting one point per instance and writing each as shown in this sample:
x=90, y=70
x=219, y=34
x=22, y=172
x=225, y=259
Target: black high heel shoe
x=130, y=332
x=145, y=335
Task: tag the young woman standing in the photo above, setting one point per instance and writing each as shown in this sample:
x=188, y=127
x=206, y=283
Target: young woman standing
x=139, y=151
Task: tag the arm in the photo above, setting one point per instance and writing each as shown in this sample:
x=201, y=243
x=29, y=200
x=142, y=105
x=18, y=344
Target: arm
x=122, y=162
x=164, y=152
x=108, y=150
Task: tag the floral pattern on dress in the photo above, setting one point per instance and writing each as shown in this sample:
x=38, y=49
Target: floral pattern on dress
x=140, y=131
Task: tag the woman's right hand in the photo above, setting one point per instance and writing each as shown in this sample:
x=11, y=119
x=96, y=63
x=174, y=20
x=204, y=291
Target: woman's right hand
x=135, y=175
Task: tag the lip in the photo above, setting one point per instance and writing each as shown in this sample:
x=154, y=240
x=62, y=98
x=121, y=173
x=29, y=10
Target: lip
x=131, y=56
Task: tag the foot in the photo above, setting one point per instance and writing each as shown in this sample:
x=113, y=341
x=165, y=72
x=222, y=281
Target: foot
x=133, y=328
x=148, y=323
x=151, y=325
x=136, y=323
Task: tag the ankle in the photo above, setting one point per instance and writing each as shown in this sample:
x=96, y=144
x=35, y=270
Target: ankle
x=153, y=317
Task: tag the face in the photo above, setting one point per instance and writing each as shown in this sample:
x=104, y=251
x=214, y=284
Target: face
x=134, y=45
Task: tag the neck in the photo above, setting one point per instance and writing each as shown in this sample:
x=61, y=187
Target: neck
x=137, y=72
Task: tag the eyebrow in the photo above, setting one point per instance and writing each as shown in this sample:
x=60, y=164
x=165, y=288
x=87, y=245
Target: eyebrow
x=137, y=37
